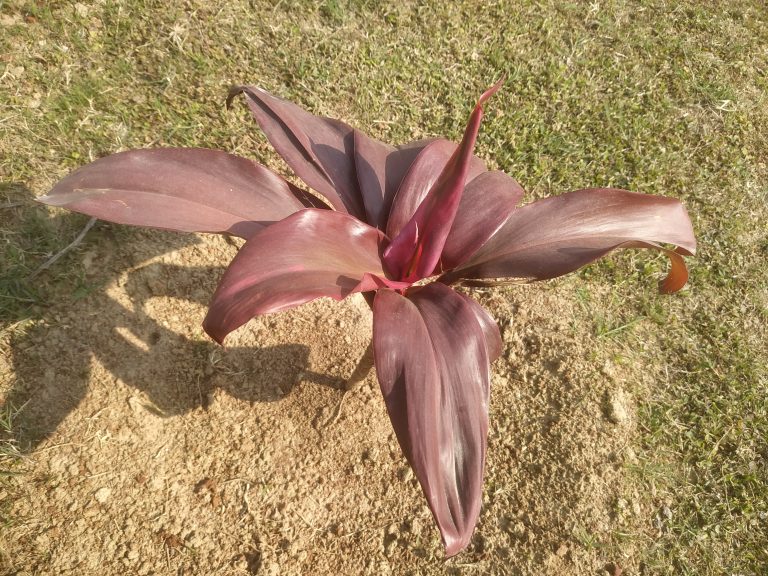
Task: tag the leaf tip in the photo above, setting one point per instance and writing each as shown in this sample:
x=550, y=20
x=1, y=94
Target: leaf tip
x=678, y=274
x=455, y=544
x=492, y=90
x=57, y=200
x=234, y=91
x=213, y=331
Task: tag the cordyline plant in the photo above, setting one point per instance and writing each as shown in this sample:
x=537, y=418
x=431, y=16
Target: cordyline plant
x=399, y=224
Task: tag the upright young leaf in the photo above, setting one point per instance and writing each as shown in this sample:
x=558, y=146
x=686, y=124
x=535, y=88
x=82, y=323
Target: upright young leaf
x=415, y=251
x=421, y=177
x=557, y=235
x=185, y=189
x=432, y=363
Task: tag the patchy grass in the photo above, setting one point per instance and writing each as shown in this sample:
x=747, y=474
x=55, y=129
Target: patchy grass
x=11, y=457
x=660, y=97
x=9, y=451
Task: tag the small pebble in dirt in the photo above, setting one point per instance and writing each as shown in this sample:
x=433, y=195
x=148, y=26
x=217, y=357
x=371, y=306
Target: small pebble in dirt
x=389, y=547
x=416, y=527
x=338, y=529
x=102, y=495
x=616, y=410
x=405, y=474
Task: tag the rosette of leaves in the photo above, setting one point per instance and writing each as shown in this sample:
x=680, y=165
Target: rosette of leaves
x=401, y=224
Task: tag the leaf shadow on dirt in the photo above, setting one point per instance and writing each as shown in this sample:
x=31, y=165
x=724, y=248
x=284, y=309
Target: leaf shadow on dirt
x=171, y=373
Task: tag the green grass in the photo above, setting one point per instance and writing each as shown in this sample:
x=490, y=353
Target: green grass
x=660, y=97
x=11, y=458
x=10, y=453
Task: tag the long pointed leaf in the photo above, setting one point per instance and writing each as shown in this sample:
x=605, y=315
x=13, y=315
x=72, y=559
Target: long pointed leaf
x=557, y=235
x=421, y=177
x=432, y=363
x=493, y=341
x=185, y=189
x=415, y=251
x=380, y=169
x=320, y=150
x=487, y=202
x=311, y=254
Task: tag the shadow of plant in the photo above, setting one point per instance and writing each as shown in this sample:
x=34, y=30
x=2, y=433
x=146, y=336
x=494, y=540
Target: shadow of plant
x=53, y=361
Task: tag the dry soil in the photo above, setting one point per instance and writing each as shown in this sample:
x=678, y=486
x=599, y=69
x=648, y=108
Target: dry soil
x=152, y=450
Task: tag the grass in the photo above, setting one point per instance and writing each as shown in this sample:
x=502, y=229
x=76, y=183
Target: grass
x=10, y=454
x=660, y=97
x=11, y=457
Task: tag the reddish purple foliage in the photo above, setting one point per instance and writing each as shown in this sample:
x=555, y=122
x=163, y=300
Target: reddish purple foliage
x=394, y=216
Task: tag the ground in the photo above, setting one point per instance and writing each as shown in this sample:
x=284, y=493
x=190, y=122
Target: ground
x=162, y=451
x=628, y=429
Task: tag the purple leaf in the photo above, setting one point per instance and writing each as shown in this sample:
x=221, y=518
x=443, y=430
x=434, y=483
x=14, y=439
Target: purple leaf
x=415, y=251
x=432, y=364
x=493, y=341
x=319, y=150
x=310, y=254
x=380, y=169
x=185, y=189
x=421, y=177
x=554, y=236
x=485, y=205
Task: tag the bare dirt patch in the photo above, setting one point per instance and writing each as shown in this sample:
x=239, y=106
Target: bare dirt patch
x=151, y=450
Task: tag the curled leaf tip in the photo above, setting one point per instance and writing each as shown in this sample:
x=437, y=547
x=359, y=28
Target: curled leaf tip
x=234, y=91
x=491, y=91
x=678, y=274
